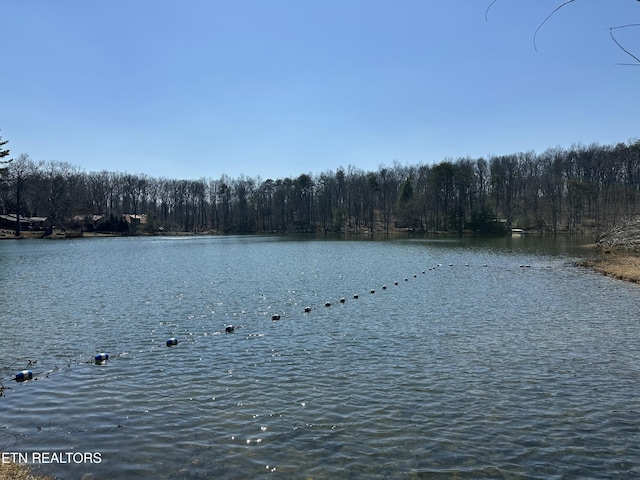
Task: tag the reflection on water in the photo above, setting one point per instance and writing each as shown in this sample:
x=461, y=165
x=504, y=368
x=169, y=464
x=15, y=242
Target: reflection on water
x=503, y=362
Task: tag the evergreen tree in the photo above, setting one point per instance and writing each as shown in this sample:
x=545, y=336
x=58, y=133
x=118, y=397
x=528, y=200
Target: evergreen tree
x=3, y=153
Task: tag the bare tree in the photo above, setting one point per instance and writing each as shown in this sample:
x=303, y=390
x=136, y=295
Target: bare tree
x=20, y=171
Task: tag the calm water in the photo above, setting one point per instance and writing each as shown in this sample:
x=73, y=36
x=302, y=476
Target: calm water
x=510, y=363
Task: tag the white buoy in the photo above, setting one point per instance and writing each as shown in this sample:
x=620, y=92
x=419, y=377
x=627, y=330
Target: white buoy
x=24, y=375
x=342, y=300
x=327, y=304
x=172, y=341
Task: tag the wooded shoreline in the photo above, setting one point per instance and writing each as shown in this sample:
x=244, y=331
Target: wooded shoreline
x=560, y=190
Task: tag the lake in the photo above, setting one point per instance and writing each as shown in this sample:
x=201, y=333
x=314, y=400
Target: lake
x=490, y=358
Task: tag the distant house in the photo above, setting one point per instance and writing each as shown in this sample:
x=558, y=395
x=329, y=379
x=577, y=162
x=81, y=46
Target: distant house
x=132, y=219
x=87, y=218
x=37, y=223
x=89, y=221
x=8, y=221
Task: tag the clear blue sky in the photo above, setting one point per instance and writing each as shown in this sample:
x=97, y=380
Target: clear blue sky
x=274, y=88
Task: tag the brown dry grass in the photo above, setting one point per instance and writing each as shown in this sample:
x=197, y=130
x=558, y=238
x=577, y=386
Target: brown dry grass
x=15, y=471
x=618, y=263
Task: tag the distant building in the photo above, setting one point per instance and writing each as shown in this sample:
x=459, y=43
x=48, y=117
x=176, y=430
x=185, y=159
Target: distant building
x=37, y=223
x=132, y=219
x=8, y=221
x=87, y=220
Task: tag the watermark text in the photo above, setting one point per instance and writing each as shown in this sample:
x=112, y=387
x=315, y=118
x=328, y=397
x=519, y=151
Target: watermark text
x=51, y=457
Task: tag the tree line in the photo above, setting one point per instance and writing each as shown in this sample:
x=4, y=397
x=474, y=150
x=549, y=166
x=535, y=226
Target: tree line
x=583, y=188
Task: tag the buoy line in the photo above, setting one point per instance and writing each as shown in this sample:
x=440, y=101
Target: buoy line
x=102, y=358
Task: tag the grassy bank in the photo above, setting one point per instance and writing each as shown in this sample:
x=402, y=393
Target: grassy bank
x=616, y=262
x=14, y=471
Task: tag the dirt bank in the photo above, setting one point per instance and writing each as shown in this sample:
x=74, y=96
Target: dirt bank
x=620, y=263
x=617, y=252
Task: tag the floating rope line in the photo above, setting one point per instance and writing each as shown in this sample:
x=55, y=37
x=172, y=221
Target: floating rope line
x=29, y=374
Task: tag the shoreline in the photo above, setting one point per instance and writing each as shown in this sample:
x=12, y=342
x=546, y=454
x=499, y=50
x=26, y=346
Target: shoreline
x=59, y=234
x=620, y=263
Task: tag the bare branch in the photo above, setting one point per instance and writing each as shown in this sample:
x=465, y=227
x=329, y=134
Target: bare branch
x=545, y=21
x=555, y=10
x=486, y=12
x=611, y=29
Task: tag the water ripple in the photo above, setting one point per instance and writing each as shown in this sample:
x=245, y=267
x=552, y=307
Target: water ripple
x=463, y=371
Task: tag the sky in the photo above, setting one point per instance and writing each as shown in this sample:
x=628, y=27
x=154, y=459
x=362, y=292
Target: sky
x=196, y=89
